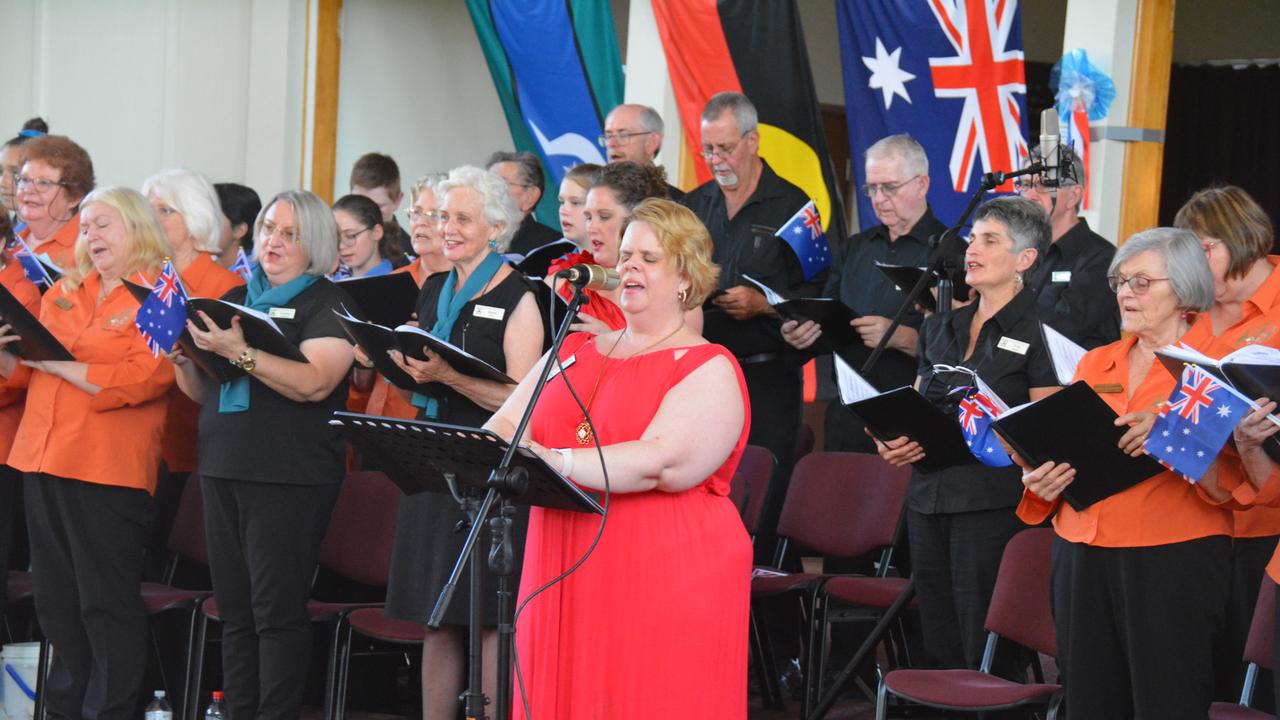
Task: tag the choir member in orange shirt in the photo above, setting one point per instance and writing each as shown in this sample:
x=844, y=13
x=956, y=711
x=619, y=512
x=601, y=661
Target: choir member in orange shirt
x=56, y=175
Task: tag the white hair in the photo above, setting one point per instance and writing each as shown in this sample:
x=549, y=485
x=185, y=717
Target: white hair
x=191, y=194
x=497, y=202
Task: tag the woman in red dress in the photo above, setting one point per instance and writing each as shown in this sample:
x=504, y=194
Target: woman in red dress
x=654, y=623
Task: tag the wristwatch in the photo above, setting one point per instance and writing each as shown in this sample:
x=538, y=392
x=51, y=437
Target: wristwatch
x=247, y=361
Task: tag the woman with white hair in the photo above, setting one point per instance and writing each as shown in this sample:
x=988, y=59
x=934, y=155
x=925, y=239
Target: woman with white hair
x=269, y=462
x=484, y=307
x=190, y=215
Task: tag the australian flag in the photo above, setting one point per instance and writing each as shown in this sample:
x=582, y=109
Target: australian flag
x=976, y=411
x=163, y=314
x=241, y=266
x=1195, y=423
x=948, y=72
x=31, y=267
x=803, y=232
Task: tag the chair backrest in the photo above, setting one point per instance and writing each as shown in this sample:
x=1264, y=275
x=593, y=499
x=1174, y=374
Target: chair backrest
x=1262, y=631
x=1020, y=603
x=186, y=537
x=805, y=440
x=362, y=529
x=750, y=484
x=843, y=504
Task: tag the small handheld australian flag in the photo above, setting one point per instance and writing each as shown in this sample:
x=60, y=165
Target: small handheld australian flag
x=1195, y=423
x=163, y=314
x=976, y=411
x=803, y=232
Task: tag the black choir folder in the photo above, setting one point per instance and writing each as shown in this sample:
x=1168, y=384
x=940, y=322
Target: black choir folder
x=832, y=315
x=905, y=411
x=383, y=299
x=1075, y=426
x=35, y=341
x=377, y=340
x=260, y=331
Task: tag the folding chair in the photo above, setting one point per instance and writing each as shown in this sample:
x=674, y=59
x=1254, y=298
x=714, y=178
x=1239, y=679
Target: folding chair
x=1020, y=612
x=1259, y=653
x=750, y=483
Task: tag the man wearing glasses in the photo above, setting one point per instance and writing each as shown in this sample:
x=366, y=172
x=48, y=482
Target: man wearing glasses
x=633, y=133
x=897, y=182
x=743, y=206
x=1070, y=281
x=523, y=173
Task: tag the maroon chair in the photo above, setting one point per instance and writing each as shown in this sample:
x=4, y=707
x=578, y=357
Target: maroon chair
x=369, y=623
x=838, y=505
x=1019, y=612
x=805, y=440
x=1258, y=652
x=750, y=483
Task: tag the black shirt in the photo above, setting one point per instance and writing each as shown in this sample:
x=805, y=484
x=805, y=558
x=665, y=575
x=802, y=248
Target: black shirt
x=856, y=282
x=1071, y=282
x=739, y=250
x=278, y=440
x=531, y=235
x=1011, y=358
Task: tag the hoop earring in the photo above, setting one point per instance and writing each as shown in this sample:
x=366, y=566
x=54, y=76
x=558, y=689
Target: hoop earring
x=682, y=295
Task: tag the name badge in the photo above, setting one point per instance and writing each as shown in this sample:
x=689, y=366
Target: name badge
x=1016, y=346
x=1108, y=388
x=1061, y=276
x=63, y=303
x=489, y=312
x=563, y=364
x=284, y=313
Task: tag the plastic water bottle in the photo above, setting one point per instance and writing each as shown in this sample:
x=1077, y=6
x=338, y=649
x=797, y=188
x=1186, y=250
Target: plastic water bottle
x=214, y=711
x=159, y=709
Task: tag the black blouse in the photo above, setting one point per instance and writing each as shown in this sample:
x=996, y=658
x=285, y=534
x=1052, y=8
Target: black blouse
x=1011, y=358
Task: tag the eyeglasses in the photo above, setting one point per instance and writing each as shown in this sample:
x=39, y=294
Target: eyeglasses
x=41, y=185
x=347, y=239
x=724, y=151
x=270, y=230
x=1024, y=186
x=619, y=139
x=416, y=215
x=1138, y=284
x=889, y=189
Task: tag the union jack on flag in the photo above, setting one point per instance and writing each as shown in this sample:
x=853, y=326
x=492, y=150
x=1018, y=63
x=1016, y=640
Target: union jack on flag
x=163, y=314
x=242, y=266
x=948, y=72
x=1186, y=440
x=803, y=233
x=976, y=411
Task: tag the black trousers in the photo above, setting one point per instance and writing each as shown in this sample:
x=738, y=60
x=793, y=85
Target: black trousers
x=14, y=554
x=264, y=539
x=169, y=487
x=86, y=558
x=1249, y=558
x=777, y=394
x=845, y=431
x=955, y=558
x=1136, y=627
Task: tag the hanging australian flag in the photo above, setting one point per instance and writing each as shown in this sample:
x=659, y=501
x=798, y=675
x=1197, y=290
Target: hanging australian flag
x=949, y=73
x=163, y=314
x=803, y=232
x=976, y=411
x=1195, y=423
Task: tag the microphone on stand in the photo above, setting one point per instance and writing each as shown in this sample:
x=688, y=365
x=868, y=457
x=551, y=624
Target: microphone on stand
x=1050, y=152
x=592, y=277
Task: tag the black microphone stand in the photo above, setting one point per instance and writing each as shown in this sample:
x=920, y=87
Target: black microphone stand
x=504, y=482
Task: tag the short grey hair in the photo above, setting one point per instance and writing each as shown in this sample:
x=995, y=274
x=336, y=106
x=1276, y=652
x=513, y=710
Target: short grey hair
x=1026, y=222
x=193, y=196
x=1184, y=261
x=317, y=231
x=427, y=182
x=914, y=159
x=738, y=104
x=499, y=208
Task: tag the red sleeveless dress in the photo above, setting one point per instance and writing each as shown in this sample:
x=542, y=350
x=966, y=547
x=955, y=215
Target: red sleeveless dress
x=653, y=624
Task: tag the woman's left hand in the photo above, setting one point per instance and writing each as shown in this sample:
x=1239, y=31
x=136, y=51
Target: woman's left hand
x=1139, y=427
x=226, y=342
x=548, y=456
x=432, y=368
x=1255, y=428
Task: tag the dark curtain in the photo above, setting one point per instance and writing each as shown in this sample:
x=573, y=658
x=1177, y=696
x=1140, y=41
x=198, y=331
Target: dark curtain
x=1223, y=128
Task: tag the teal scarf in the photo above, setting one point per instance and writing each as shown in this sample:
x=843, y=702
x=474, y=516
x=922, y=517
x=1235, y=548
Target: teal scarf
x=449, y=306
x=234, y=396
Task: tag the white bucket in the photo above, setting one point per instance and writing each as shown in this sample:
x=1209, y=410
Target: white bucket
x=20, y=664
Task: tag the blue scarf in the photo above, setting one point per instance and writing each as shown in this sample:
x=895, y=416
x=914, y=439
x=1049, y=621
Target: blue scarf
x=234, y=396
x=449, y=306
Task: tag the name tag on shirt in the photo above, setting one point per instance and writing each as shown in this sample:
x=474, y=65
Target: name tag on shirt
x=563, y=364
x=489, y=312
x=1061, y=276
x=284, y=313
x=1016, y=346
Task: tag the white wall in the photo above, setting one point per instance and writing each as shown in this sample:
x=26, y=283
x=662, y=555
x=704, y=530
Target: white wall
x=214, y=85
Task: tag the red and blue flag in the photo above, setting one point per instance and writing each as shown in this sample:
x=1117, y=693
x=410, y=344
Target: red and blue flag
x=1195, y=423
x=163, y=314
x=803, y=232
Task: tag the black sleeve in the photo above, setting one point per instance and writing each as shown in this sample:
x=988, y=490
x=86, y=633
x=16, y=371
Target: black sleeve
x=1086, y=310
x=320, y=320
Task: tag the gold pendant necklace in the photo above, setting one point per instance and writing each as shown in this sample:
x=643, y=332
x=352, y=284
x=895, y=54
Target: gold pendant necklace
x=582, y=433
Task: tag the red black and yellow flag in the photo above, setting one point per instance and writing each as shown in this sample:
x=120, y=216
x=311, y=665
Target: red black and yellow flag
x=757, y=49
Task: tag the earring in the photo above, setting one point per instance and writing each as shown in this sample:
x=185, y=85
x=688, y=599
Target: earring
x=1017, y=278
x=493, y=244
x=682, y=295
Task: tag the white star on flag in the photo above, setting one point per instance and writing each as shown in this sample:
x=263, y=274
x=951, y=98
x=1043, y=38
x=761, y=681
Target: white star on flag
x=1224, y=411
x=886, y=75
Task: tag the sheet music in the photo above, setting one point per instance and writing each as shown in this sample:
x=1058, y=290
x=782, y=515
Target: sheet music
x=772, y=297
x=1065, y=353
x=853, y=387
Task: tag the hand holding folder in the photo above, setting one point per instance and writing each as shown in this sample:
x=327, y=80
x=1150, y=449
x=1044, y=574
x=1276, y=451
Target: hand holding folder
x=34, y=342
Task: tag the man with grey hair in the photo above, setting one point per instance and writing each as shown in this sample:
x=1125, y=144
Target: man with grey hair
x=523, y=173
x=897, y=182
x=634, y=133
x=1070, y=281
x=743, y=206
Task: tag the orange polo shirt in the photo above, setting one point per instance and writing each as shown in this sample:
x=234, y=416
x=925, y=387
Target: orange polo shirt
x=202, y=278
x=1157, y=511
x=13, y=279
x=383, y=398
x=61, y=248
x=113, y=437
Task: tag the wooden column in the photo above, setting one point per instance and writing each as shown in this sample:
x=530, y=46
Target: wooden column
x=324, y=98
x=1148, y=106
